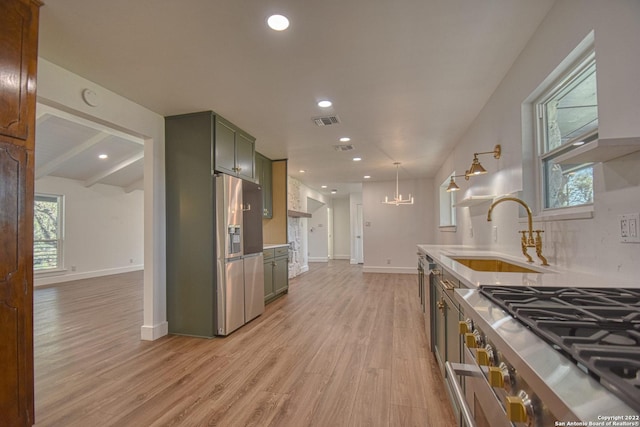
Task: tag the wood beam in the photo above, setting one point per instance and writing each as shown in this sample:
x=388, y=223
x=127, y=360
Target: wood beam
x=54, y=164
x=123, y=164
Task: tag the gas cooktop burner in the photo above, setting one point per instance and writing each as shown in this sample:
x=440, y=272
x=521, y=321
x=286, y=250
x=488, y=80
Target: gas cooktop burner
x=599, y=328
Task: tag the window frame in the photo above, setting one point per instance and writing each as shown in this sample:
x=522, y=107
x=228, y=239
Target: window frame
x=60, y=235
x=570, y=74
x=447, y=222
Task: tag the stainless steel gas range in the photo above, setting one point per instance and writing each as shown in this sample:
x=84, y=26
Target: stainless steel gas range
x=544, y=356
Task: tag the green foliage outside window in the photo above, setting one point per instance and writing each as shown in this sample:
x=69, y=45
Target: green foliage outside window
x=46, y=232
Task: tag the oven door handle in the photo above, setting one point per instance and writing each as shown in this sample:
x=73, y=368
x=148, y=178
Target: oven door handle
x=452, y=370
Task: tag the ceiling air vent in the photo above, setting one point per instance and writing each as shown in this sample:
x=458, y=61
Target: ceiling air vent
x=343, y=147
x=326, y=121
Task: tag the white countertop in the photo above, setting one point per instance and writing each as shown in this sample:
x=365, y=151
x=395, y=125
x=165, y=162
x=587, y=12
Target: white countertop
x=549, y=276
x=273, y=245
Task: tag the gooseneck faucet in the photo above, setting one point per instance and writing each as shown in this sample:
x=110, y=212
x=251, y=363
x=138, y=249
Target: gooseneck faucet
x=526, y=242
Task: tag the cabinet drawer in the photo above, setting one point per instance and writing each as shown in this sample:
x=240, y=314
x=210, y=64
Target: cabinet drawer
x=268, y=253
x=282, y=251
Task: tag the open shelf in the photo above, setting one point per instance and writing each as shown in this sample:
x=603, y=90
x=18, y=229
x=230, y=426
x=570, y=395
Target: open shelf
x=600, y=150
x=298, y=214
x=474, y=201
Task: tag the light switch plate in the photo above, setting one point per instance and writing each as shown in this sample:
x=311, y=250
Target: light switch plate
x=629, y=228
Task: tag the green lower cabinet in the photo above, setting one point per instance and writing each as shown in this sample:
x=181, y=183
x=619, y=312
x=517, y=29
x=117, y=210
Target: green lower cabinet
x=281, y=274
x=276, y=272
x=269, y=291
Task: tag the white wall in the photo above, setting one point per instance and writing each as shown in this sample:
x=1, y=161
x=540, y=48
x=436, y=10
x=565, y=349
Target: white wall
x=341, y=228
x=589, y=245
x=391, y=233
x=318, y=233
x=103, y=229
x=62, y=89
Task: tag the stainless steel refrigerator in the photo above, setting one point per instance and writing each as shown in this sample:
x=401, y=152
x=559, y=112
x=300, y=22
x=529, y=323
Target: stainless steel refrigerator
x=240, y=268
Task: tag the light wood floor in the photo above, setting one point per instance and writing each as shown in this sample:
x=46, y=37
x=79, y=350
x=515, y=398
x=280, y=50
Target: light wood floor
x=343, y=348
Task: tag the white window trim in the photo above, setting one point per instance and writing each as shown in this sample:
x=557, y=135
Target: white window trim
x=577, y=62
x=60, y=269
x=449, y=226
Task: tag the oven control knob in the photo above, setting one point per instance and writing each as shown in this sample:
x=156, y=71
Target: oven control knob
x=462, y=327
x=470, y=340
x=465, y=326
x=499, y=376
x=519, y=408
x=516, y=411
x=484, y=357
x=478, y=337
x=496, y=379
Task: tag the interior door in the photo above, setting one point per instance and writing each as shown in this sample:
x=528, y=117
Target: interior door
x=359, y=243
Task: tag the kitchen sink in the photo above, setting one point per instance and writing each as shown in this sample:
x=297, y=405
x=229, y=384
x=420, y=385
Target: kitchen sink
x=493, y=265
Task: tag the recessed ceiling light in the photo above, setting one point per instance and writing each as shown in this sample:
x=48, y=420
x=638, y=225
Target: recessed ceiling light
x=278, y=22
x=323, y=186
x=334, y=191
x=102, y=156
x=345, y=139
x=302, y=171
x=357, y=159
x=367, y=176
x=324, y=104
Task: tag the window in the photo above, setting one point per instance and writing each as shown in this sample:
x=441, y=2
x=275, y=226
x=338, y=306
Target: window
x=567, y=117
x=47, y=232
x=447, y=204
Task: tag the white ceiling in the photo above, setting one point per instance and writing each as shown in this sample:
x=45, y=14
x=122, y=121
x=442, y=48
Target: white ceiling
x=68, y=147
x=406, y=77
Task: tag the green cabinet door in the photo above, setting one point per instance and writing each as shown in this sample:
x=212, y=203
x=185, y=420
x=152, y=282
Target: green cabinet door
x=225, y=159
x=281, y=274
x=269, y=291
x=264, y=177
x=267, y=189
x=245, y=156
x=439, y=326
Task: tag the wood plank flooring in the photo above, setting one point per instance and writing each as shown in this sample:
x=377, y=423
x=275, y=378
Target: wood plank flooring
x=342, y=348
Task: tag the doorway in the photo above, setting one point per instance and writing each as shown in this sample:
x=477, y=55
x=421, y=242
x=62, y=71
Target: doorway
x=359, y=236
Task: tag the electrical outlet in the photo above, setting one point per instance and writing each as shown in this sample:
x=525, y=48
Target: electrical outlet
x=388, y=261
x=73, y=268
x=629, y=224
x=494, y=233
x=130, y=260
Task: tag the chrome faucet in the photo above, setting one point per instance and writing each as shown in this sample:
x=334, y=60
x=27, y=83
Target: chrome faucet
x=526, y=242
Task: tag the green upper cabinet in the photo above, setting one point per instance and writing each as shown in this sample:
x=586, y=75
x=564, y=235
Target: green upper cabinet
x=234, y=150
x=264, y=176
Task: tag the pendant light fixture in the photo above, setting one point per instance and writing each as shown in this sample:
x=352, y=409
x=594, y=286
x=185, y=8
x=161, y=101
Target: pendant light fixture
x=476, y=168
x=397, y=199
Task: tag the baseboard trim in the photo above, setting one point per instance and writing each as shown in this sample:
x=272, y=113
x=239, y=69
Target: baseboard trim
x=318, y=259
x=341, y=257
x=54, y=278
x=389, y=270
x=152, y=333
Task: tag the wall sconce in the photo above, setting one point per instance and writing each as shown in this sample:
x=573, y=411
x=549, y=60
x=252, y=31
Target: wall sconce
x=476, y=168
x=452, y=184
